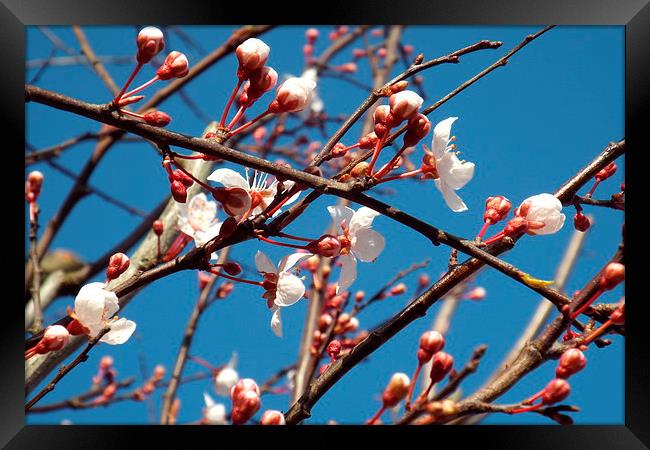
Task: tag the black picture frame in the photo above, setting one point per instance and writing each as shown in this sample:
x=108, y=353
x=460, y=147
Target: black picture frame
x=633, y=14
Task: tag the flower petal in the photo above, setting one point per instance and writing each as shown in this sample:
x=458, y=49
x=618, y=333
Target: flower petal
x=287, y=263
x=348, y=272
x=90, y=303
x=229, y=178
x=208, y=400
x=276, y=321
x=368, y=244
x=121, y=331
x=362, y=219
x=202, y=237
x=340, y=214
x=290, y=289
x=451, y=198
x=441, y=135
x=454, y=172
x=264, y=264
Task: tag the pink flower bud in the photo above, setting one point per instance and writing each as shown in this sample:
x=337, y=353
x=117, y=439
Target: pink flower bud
x=243, y=385
x=252, y=55
x=359, y=296
x=581, y=222
x=225, y=289
x=606, y=172
x=496, y=209
x=158, y=372
x=324, y=321
x=418, y=127
x=571, y=361
x=618, y=316
x=613, y=274
x=157, y=119
x=556, y=391
x=339, y=150
x=358, y=53
x=440, y=366
x=179, y=191
x=245, y=406
x=129, y=100
x=308, y=51
x=272, y=417
x=408, y=49
x=184, y=178
x=175, y=65
x=397, y=389
x=106, y=362
x=150, y=42
x=403, y=105
x=117, y=265
x=232, y=268
x=34, y=184
x=311, y=34
x=398, y=289
x=343, y=29
x=377, y=32
x=259, y=134
x=293, y=95
x=55, y=338
x=347, y=67
x=382, y=52
x=380, y=114
x=326, y=245
x=334, y=348
x=478, y=293
x=368, y=141
x=204, y=279
x=432, y=341
x=261, y=81
x=158, y=227
x=424, y=280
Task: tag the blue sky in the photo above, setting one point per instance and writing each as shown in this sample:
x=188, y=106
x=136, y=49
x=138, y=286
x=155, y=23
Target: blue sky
x=527, y=126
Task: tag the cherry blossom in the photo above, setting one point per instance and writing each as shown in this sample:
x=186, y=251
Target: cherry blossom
x=293, y=95
x=449, y=172
x=358, y=240
x=252, y=55
x=213, y=413
x=261, y=195
x=543, y=213
x=94, y=307
x=227, y=377
x=198, y=219
x=282, y=287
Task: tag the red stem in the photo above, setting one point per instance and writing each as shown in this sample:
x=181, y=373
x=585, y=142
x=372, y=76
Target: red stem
x=483, y=230
x=494, y=238
x=128, y=82
x=414, y=379
x=588, y=303
x=377, y=415
x=235, y=119
x=410, y=174
x=248, y=124
x=270, y=241
x=375, y=154
x=241, y=280
x=222, y=122
x=141, y=87
x=388, y=167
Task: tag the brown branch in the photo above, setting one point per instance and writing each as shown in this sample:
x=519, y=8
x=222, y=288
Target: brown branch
x=76, y=193
x=36, y=281
x=613, y=203
x=302, y=408
x=94, y=61
x=188, y=337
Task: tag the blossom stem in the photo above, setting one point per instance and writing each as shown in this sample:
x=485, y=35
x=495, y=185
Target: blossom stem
x=377, y=415
x=270, y=241
x=388, y=167
x=483, y=230
x=131, y=113
x=375, y=155
x=126, y=85
x=409, y=396
x=530, y=400
x=230, y=277
x=282, y=202
x=291, y=236
x=141, y=87
x=593, y=188
x=235, y=119
x=203, y=363
x=222, y=122
x=600, y=330
x=177, y=246
x=494, y=238
x=248, y=124
x=587, y=304
x=525, y=409
x=410, y=174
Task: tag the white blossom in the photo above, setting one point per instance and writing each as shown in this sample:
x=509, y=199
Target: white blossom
x=227, y=377
x=544, y=209
x=453, y=173
x=358, y=239
x=198, y=219
x=214, y=413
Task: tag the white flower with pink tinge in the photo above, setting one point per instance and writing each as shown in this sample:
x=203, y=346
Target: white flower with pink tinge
x=261, y=194
x=198, y=219
x=94, y=308
x=282, y=287
x=453, y=173
x=358, y=240
x=213, y=413
x=543, y=213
